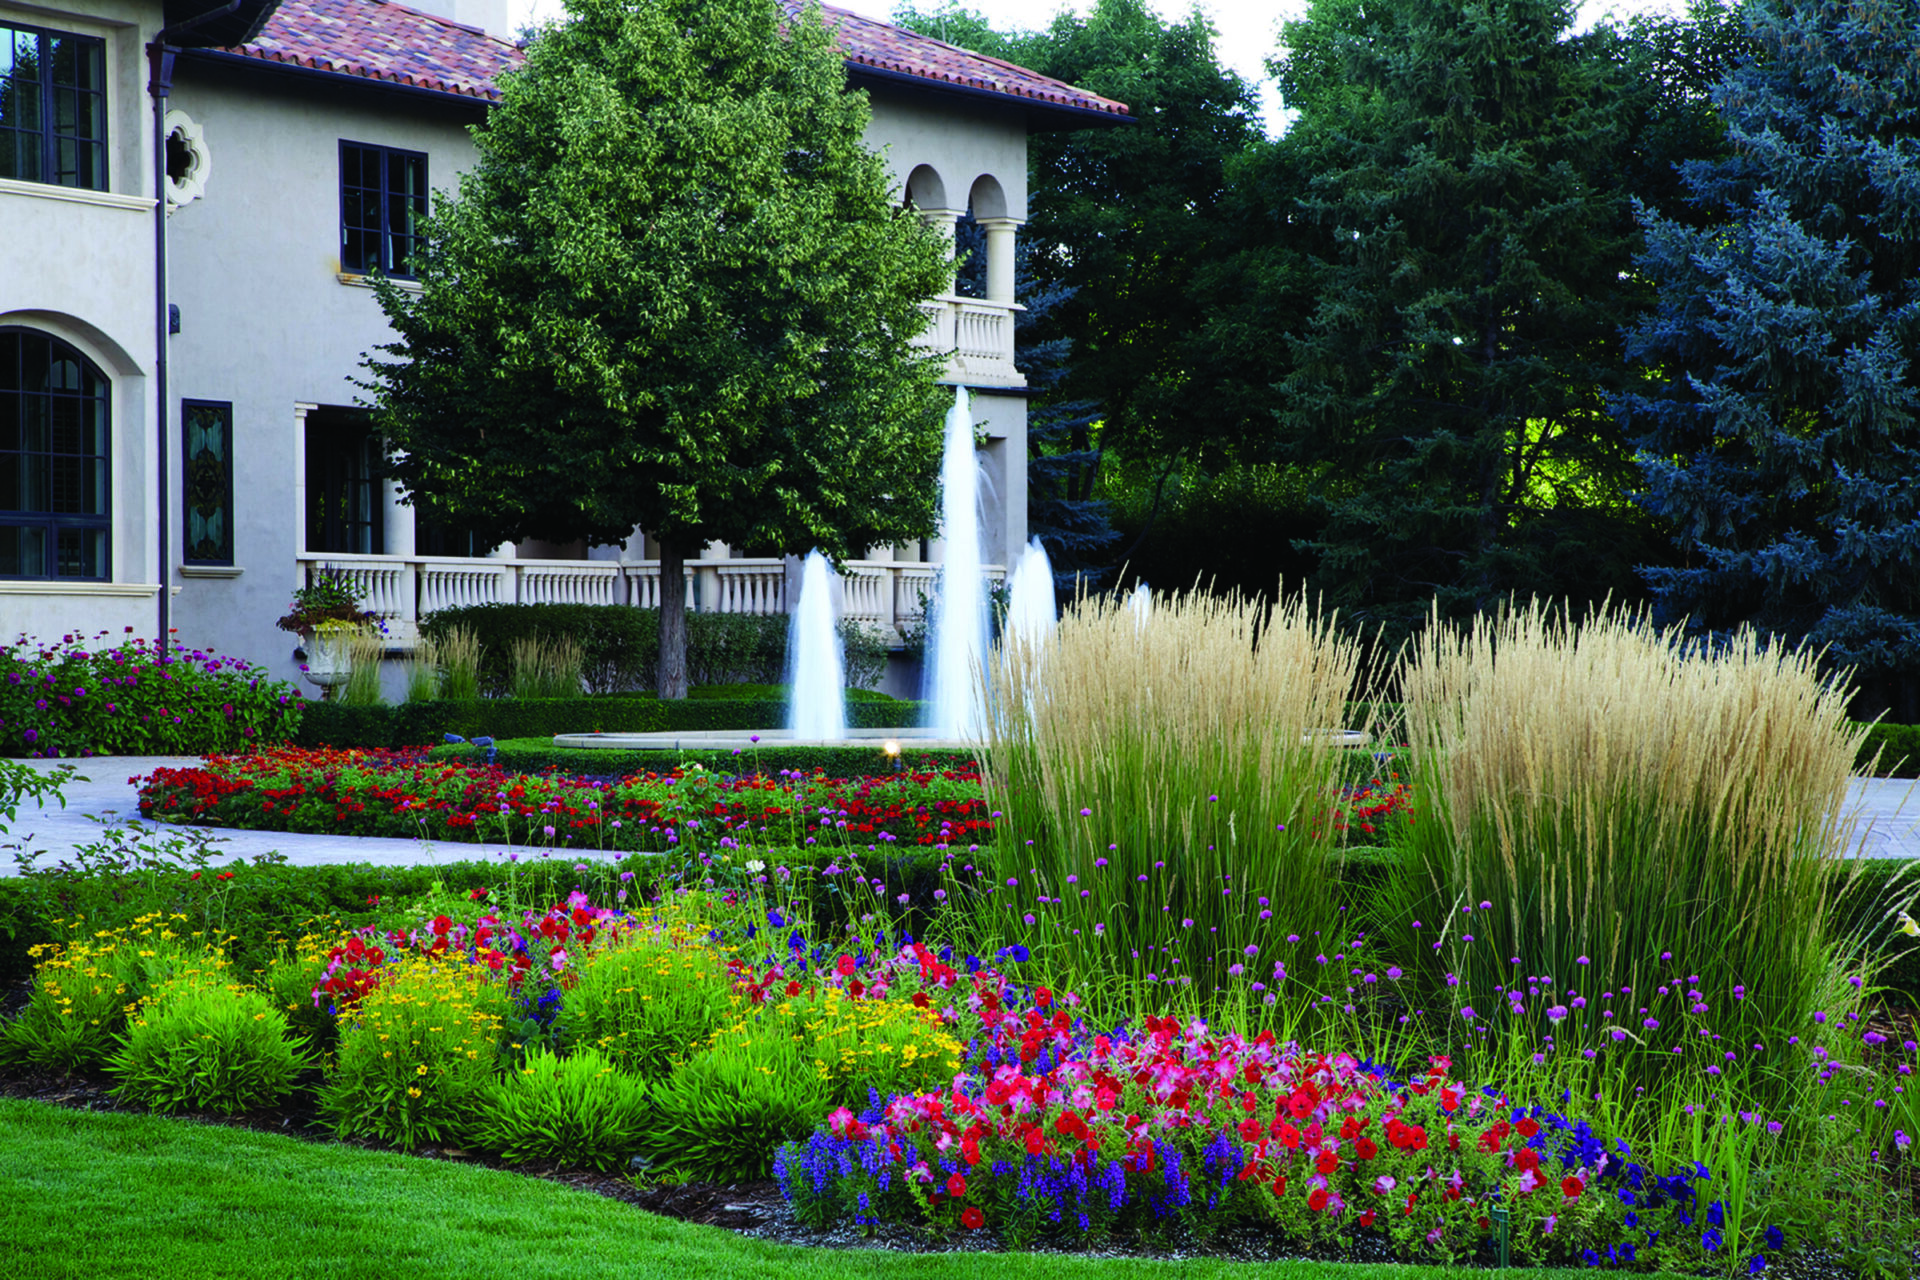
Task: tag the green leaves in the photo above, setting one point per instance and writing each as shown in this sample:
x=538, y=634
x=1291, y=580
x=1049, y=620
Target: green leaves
x=673, y=292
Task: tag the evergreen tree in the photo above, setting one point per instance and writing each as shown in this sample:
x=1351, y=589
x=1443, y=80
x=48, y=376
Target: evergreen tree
x=1461, y=173
x=675, y=291
x=1779, y=433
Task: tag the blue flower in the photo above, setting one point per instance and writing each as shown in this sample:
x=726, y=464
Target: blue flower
x=1775, y=1238
x=777, y=920
x=1710, y=1240
x=1756, y=1264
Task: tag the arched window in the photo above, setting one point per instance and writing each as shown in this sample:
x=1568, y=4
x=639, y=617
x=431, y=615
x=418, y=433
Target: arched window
x=55, y=427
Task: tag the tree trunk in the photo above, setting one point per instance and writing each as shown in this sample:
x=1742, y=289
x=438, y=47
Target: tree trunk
x=672, y=666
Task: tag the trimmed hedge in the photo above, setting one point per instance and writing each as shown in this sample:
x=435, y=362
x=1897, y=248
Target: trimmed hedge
x=1898, y=746
x=413, y=724
x=622, y=645
x=538, y=755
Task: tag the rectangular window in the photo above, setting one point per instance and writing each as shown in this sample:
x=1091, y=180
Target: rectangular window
x=383, y=197
x=344, y=470
x=206, y=430
x=55, y=428
x=53, y=107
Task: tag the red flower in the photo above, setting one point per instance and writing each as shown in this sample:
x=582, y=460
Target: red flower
x=1280, y=1185
x=1571, y=1187
x=1366, y=1149
x=1327, y=1163
x=1366, y=1219
x=845, y=966
x=956, y=1186
x=972, y=1219
x=856, y=988
x=793, y=988
x=1042, y=997
x=1317, y=1200
x=1528, y=1127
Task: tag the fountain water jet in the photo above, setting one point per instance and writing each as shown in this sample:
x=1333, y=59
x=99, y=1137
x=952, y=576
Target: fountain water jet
x=816, y=674
x=957, y=638
x=1032, y=612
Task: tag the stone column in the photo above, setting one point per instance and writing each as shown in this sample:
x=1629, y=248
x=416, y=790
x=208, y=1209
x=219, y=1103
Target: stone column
x=999, y=258
x=300, y=412
x=398, y=519
x=944, y=223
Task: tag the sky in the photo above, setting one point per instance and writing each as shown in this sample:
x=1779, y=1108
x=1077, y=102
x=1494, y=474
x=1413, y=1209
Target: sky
x=1248, y=29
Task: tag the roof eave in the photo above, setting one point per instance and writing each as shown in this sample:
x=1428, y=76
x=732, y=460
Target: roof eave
x=228, y=58
x=205, y=22
x=1042, y=116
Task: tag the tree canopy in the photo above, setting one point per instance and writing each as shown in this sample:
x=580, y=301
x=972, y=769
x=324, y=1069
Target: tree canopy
x=674, y=291
x=1779, y=432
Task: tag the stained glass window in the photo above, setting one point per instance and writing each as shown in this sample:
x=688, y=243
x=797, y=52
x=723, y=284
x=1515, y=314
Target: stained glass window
x=207, y=481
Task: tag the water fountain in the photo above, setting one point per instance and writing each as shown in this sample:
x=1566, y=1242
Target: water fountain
x=816, y=679
x=957, y=642
x=957, y=631
x=1032, y=612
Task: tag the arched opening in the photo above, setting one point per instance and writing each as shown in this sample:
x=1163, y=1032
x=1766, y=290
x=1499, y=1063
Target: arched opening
x=926, y=191
x=56, y=434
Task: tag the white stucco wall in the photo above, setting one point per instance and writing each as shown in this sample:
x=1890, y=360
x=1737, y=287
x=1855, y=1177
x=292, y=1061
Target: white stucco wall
x=265, y=321
x=79, y=264
x=267, y=324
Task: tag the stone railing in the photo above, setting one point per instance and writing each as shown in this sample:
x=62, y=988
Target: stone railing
x=885, y=594
x=976, y=336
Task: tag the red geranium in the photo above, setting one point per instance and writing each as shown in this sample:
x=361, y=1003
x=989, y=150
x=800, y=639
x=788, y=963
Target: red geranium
x=956, y=1186
x=972, y=1219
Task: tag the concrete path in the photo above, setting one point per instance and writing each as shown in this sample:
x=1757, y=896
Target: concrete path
x=51, y=833
x=1889, y=824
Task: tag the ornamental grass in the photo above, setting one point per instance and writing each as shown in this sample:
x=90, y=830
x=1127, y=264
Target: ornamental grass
x=1635, y=815
x=1170, y=781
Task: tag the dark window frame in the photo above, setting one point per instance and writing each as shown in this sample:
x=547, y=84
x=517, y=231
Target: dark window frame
x=346, y=499
x=49, y=96
x=392, y=249
x=191, y=483
x=50, y=523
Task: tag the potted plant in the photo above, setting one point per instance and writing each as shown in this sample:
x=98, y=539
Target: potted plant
x=326, y=614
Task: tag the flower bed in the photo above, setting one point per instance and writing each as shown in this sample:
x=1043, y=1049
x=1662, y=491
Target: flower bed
x=66, y=698
x=400, y=793
x=706, y=1034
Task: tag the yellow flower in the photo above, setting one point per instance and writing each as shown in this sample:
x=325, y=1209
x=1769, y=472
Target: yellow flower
x=1907, y=926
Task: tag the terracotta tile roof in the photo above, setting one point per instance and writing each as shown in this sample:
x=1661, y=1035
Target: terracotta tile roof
x=390, y=42
x=888, y=48
x=385, y=42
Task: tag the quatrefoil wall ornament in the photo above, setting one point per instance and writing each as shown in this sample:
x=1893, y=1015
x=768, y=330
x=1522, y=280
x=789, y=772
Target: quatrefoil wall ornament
x=189, y=163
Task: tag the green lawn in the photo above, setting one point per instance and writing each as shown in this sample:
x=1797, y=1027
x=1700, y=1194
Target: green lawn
x=107, y=1195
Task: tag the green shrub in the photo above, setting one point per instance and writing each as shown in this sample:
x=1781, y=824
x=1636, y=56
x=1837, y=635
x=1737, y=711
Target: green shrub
x=617, y=644
x=289, y=980
x=199, y=1042
x=546, y=667
x=417, y=1054
x=723, y=1113
x=1890, y=751
x=539, y=755
x=413, y=724
x=621, y=646
x=84, y=989
x=64, y=699
x=578, y=1111
x=644, y=1001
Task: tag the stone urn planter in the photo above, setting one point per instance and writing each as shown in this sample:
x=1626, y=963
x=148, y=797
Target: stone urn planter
x=329, y=655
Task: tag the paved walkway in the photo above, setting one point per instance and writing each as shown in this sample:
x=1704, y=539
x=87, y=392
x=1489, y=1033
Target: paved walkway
x=51, y=833
x=1889, y=824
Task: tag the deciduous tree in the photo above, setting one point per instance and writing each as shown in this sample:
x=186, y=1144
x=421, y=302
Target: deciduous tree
x=675, y=291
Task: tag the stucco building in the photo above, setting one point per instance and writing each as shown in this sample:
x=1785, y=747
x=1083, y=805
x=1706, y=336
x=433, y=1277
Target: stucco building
x=191, y=198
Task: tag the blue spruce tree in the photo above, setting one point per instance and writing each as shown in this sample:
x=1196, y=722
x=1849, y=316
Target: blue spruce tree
x=1776, y=419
